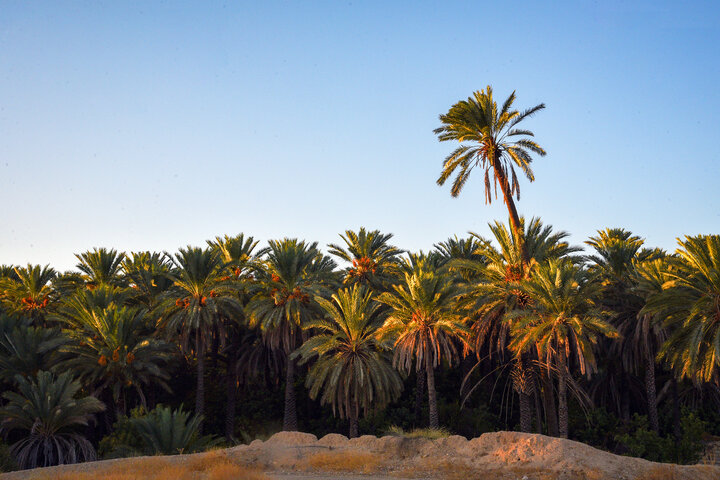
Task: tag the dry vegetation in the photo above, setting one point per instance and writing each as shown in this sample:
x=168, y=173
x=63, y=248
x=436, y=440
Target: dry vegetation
x=209, y=466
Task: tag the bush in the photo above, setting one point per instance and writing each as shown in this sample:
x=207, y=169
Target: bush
x=161, y=431
x=123, y=441
x=642, y=442
x=7, y=462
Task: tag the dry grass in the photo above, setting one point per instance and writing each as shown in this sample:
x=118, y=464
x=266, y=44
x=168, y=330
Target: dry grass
x=355, y=462
x=672, y=472
x=429, y=433
x=212, y=466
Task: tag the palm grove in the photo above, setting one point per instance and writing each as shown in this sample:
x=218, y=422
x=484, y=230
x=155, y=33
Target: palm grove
x=617, y=345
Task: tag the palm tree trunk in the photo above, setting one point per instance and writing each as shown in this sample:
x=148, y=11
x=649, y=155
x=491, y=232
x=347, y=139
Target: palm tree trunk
x=419, y=394
x=651, y=393
x=432, y=395
x=525, y=412
x=354, y=414
x=231, y=384
x=290, y=415
x=538, y=409
x=551, y=417
x=200, y=391
x=510, y=203
x=562, y=398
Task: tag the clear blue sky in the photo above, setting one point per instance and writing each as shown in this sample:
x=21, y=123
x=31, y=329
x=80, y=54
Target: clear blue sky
x=153, y=125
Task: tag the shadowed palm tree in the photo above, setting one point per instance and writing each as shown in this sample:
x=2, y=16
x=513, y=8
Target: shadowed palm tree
x=561, y=323
x=374, y=261
x=26, y=349
x=46, y=410
x=199, y=298
x=690, y=302
x=617, y=252
x=423, y=326
x=489, y=139
x=112, y=349
x=292, y=275
x=238, y=255
x=353, y=368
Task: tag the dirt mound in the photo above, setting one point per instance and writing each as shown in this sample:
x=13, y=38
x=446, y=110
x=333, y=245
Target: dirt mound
x=499, y=455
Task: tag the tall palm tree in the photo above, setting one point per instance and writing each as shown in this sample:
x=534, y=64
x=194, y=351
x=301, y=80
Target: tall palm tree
x=489, y=139
x=293, y=274
x=353, y=368
x=29, y=293
x=240, y=260
x=373, y=259
x=646, y=333
x=112, y=349
x=47, y=410
x=617, y=254
x=494, y=293
x=563, y=323
x=200, y=296
x=690, y=302
x=423, y=325
x=101, y=267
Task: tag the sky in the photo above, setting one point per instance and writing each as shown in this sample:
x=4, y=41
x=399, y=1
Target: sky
x=155, y=125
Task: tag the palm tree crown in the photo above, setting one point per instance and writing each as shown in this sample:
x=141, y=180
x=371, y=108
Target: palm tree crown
x=490, y=140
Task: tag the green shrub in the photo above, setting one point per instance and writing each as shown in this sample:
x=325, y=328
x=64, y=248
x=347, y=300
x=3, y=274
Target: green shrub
x=123, y=441
x=7, y=462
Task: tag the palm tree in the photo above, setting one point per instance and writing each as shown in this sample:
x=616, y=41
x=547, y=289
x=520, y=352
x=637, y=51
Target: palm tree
x=292, y=275
x=690, y=302
x=112, y=349
x=353, y=367
x=46, y=409
x=494, y=143
x=26, y=349
x=237, y=254
x=494, y=293
x=646, y=334
x=423, y=326
x=29, y=292
x=617, y=254
x=101, y=267
x=148, y=275
x=374, y=260
x=561, y=323
x=200, y=296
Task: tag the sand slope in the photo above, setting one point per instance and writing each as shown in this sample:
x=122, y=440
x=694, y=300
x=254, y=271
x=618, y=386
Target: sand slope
x=501, y=455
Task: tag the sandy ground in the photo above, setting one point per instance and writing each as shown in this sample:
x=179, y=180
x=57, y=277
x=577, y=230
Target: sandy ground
x=498, y=455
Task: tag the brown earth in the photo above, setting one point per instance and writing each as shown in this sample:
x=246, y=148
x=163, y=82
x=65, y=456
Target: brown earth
x=301, y=456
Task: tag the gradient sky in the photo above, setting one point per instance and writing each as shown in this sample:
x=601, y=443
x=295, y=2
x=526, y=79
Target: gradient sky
x=154, y=125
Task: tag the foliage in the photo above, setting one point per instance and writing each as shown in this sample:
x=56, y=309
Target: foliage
x=429, y=433
x=170, y=432
x=123, y=440
x=46, y=411
x=7, y=462
x=353, y=366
